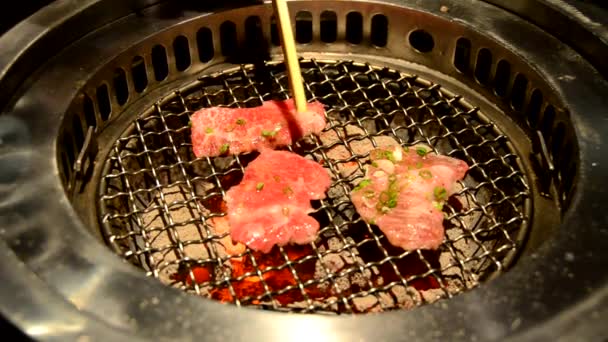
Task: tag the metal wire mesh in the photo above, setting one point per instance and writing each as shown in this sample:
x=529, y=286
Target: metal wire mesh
x=157, y=200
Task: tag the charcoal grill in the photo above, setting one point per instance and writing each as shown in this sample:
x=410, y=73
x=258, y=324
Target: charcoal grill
x=157, y=199
x=119, y=229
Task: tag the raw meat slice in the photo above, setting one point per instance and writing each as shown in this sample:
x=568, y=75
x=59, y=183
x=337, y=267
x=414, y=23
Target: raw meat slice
x=403, y=193
x=217, y=130
x=220, y=225
x=271, y=204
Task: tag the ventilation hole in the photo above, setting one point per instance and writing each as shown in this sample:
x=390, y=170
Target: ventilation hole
x=566, y=159
x=159, y=62
x=303, y=27
x=533, y=110
x=181, y=50
x=204, y=41
x=103, y=101
x=69, y=153
x=462, y=54
x=66, y=167
x=254, y=37
x=89, y=111
x=422, y=41
x=354, y=27
x=120, y=86
x=138, y=70
x=558, y=141
x=77, y=131
x=228, y=38
x=274, y=32
x=518, y=94
x=379, y=30
x=568, y=180
x=483, y=66
x=547, y=124
x=501, y=81
x=329, y=26
x=68, y=156
x=566, y=156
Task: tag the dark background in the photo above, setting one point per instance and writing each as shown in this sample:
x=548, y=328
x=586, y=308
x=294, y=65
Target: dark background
x=18, y=11
x=23, y=8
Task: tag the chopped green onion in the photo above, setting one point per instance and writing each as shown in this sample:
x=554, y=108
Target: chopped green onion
x=277, y=178
x=384, y=197
x=438, y=205
x=372, y=221
x=393, y=184
x=369, y=193
x=388, y=199
x=268, y=134
x=374, y=164
x=241, y=121
x=208, y=130
x=421, y=151
x=389, y=155
x=426, y=174
x=363, y=184
x=288, y=191
x=189, y=123
x=419, y=165
x=259, y=186
x=224, y=148
x=406, y=149
x=440, y=193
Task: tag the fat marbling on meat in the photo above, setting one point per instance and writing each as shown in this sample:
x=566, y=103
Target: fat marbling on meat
x=271, y=205
x=218, y=130
x=403, y=193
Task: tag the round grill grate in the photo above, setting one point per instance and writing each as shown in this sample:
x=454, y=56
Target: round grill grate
x=157, y=199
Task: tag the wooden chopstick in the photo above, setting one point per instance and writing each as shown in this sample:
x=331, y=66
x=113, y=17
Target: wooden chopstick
x=291, y=57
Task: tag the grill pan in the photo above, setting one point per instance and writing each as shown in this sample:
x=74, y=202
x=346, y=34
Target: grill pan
x=453, y=76
x=157, y=199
